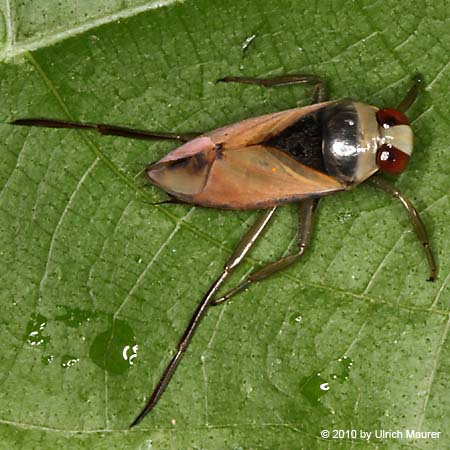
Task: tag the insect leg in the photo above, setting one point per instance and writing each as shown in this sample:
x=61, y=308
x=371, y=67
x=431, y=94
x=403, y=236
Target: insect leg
x=415, y=219
x=104, y=129
x=411, y=95
x=320, y=93
x=307, y=209
x=242, y=249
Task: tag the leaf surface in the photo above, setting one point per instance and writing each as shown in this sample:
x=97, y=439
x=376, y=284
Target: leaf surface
x=98, y=285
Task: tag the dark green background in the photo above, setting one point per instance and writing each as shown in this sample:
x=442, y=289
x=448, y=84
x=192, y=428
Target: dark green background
x=88, y=266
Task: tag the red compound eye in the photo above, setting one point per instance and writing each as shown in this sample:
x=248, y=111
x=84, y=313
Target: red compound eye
x=391, y=160
x=390, y=117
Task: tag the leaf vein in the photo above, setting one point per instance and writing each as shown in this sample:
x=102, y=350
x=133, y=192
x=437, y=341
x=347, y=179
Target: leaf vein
x=13, y=49
x=437, y=354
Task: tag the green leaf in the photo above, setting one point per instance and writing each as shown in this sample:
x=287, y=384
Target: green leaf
x=98, y=285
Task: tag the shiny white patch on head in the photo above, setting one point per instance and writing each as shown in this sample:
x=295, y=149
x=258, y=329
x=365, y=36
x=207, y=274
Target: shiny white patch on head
x=399, y=136
x=367, y=141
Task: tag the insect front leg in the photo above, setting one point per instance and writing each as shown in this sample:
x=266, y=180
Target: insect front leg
x=307, y=210
x=105, y=129
x=415, y=219
x=320, y=92
x=411, y=95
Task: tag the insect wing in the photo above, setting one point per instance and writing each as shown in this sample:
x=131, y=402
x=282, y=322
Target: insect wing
x=185, y=176
x=259, y=129
x=258, y=177
x=231, y=168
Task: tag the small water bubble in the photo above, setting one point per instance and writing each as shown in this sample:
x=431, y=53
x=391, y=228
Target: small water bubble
x=47, y=359
x=34, y=334
x=344, y=217
x=69, y=361
x=246, y=44
x=74, y=317
x=295, y=318
x=129, y=353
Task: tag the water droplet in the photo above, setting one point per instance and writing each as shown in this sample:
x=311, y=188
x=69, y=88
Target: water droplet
x=34, y=334
x=246, y=44
x=295, y=318
x=315, y=387
x=129, y=353
x=115, y=350
x=74, y=317
x=343, y=370
x=47, y=359
x=68, y=361
x=344, y=217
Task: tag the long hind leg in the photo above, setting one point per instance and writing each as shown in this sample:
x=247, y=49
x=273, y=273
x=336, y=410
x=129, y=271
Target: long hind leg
x=105, y=129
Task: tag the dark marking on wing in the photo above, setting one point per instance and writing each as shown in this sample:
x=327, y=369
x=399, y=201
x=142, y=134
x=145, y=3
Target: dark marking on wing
x=302, y=141
x=218, y=150
x=196, y=162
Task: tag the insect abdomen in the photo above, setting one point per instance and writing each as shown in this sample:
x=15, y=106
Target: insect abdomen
x=302, y=141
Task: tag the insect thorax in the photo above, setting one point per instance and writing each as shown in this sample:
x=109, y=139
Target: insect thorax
x=350, y=140
x=340, y=140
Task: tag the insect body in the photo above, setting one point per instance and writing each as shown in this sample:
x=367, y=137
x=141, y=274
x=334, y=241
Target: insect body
x=298, y=155
x=286, y=157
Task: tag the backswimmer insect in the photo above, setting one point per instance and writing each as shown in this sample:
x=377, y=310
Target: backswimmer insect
x=299, y=155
